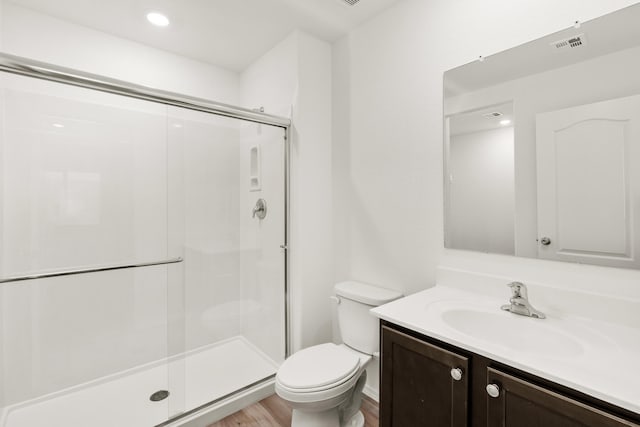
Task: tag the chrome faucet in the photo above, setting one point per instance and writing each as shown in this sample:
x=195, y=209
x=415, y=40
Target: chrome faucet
x=520, y=302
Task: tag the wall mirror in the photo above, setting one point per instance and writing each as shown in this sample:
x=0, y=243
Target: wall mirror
x=542, y=147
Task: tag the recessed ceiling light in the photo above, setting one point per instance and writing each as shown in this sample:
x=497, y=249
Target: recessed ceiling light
x=58, y=125
x=157, y=19
x=505, y=122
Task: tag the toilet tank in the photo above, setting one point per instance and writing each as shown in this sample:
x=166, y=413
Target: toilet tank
x=358, y=327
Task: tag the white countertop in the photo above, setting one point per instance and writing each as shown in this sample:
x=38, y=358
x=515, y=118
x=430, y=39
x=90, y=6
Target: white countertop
x=595, y=357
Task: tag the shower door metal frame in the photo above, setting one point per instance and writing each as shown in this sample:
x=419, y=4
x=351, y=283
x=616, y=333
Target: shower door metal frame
x=45, y=71
x=42, y=70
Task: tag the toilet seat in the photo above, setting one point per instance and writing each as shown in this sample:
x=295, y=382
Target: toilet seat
x=318, y=368
x=318, y=373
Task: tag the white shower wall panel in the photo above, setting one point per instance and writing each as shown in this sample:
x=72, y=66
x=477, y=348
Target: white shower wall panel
x=83, y=177
x=261, y=257
x=204, y=223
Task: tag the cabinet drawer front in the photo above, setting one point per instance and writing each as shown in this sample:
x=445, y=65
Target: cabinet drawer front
x=524, y=404
x=418, y=387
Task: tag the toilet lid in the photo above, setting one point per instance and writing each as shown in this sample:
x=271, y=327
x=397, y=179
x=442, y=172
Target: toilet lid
x=318, y=366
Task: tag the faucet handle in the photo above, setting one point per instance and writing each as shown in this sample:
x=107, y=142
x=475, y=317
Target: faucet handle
x=518, y=290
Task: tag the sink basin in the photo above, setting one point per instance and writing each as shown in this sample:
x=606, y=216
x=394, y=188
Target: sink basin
x=519, y=333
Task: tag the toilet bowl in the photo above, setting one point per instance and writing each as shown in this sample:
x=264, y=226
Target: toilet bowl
x=323, y=384
x=320, y=383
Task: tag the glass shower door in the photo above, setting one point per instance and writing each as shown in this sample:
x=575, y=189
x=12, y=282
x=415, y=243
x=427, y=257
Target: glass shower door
x=82, y=186
x=232, y=290
x=142, y=260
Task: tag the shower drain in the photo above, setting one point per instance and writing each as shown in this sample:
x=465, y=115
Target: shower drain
x=159, y=395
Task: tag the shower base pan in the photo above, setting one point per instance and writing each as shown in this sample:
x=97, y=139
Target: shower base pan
x=123, y=400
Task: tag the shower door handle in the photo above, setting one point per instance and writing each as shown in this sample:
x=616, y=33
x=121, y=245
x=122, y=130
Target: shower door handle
x=260, y=209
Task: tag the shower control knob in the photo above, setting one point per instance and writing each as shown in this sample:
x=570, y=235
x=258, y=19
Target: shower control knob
x=545, y=241
x=456, y=374
x=493, y=390
x=260, y=209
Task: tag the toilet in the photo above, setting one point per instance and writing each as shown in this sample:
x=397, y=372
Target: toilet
x=323, y=384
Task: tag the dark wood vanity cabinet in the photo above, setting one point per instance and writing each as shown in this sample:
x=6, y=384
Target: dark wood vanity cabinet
x=419, y=386
x=523, y=404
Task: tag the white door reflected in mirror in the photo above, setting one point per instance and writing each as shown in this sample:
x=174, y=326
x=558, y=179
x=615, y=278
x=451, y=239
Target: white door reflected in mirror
x=585, y=182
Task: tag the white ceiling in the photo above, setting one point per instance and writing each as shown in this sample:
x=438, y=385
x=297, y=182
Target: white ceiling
x=475, y=121
x=228, y=33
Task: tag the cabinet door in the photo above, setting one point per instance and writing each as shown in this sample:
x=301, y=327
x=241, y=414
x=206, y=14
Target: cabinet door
x=418, y=387
x=523, y=404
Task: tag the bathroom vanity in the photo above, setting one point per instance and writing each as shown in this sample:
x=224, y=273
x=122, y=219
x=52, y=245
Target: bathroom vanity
x=554, y=179
x=450, y=357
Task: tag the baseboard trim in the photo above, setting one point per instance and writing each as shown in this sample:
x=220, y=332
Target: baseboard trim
x=371, y=393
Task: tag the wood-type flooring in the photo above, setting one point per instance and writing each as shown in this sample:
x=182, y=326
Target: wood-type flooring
x=274, y=412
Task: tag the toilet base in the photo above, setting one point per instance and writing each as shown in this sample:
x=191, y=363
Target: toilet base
x=356, y=421
x=329, y=418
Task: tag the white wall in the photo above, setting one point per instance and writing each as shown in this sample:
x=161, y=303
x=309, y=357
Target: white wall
x=341, y=185
x=311, y=211
x=295, y=76
x=395, y=69
x=272, y=80
x=480, y=215
x=37, y=36
x=395, y=166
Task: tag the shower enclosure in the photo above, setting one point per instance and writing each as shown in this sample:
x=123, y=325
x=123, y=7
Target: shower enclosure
x=142, y=250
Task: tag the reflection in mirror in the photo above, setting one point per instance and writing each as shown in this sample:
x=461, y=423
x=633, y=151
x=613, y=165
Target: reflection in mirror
x=480, y=180
x=542, y=147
